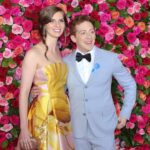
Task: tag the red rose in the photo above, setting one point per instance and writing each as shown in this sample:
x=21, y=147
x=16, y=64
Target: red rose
x=144, y=14
x=6, y=4
x=146, y=61
x=14, y=103
x=2, y=109
x=4, y=120
x=14, y=119
x=3, y=90
x=138, y=138
x=137, y=16
x=2, y=136
x=95, y=15
x=3, y=72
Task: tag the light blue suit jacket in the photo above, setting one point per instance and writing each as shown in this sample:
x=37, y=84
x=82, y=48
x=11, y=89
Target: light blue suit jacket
x=92, y=103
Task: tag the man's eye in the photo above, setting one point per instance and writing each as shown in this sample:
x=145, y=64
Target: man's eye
x=62, y=20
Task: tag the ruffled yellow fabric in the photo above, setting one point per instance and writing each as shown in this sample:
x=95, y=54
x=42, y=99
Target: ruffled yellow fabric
x=49, y=115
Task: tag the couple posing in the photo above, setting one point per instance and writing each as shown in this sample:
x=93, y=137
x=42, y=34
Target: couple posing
x=87, y=73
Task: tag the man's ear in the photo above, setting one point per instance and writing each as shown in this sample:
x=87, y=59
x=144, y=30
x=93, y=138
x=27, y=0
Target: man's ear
x=73, y=38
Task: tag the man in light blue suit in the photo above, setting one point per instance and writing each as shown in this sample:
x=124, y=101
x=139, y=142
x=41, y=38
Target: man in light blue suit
x=90, y=72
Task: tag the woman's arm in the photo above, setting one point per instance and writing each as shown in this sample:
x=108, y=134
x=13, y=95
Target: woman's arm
x=28, y=70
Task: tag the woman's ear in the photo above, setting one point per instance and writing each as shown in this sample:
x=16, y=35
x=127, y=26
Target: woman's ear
x=73, y=38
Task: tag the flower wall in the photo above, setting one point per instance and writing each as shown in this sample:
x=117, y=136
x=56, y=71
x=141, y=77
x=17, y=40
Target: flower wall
x=122, y=26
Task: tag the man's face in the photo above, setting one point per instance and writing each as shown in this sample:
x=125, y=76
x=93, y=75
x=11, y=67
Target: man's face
x=84, y=36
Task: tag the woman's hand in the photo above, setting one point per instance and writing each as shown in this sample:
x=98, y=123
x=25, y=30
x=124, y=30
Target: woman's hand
x=34, y=92
x=25, y=139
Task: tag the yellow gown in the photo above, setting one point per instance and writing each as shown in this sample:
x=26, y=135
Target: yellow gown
x=49, y=115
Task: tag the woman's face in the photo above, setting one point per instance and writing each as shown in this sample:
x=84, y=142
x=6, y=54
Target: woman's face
x=56, y=27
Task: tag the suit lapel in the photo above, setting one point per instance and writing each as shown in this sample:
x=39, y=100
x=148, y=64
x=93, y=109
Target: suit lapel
x=95, y=68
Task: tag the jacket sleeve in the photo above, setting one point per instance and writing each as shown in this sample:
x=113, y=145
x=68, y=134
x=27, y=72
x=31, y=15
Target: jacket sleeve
x=124, y=78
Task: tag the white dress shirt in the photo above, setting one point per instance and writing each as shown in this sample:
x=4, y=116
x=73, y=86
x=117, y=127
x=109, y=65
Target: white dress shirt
x=84, y=67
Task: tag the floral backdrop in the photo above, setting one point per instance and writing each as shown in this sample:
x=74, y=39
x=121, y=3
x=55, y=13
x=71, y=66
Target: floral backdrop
x=122, y=26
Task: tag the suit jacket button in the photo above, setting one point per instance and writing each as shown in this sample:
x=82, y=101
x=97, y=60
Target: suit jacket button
x=84, y=114
x=86, y=86
x=86, y=99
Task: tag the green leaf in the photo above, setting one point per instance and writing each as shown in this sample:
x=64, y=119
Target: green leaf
x=11, y=72
x=96, y=24
x=16, y=83
x=137, y=110
x=7, y=29
x=69, y=14
x=95, y=6
x=1, y=1
x=108, y=46
x=5, y=63
x=77, y=9
x=14, y=132
x=99, y=39
x=123, y=13
x=2, y=49
x=5, y=144
x=110, y=1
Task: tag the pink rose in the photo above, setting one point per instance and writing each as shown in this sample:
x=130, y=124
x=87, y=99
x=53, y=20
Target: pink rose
x=131, y=37
x=2, y=33
x=2, y=10
x=130, y=125
x=74, y=3
x=15, y=1
x=18, y=20
x=109, y=36
x=139, y=79
x=104, y=17
x=38, y=2
x=8, y=21
x=121, y=4
x=130, y=10
x=1, y=43
x=3, y=102
x=141, y=124
x=18, y=73
x=17, y=29
x=141, y=132
x=26, y=45
x=144, y=43
x=7, y=53
x=25, y=3
x=137, y=6
x=6, y=127
x=5, y=39
x=103, y=7
x=8, y=135
x=15, y=11
x=27, y=25
x=87, y=9
x=25, y=35
x=146, y=109
x=136, y=30
x=9, y=80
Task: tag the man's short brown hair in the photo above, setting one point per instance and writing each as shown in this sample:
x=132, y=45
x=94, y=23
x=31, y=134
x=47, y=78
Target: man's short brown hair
x=78, y=20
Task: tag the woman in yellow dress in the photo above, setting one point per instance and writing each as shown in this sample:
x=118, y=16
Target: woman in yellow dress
x=48, y=117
